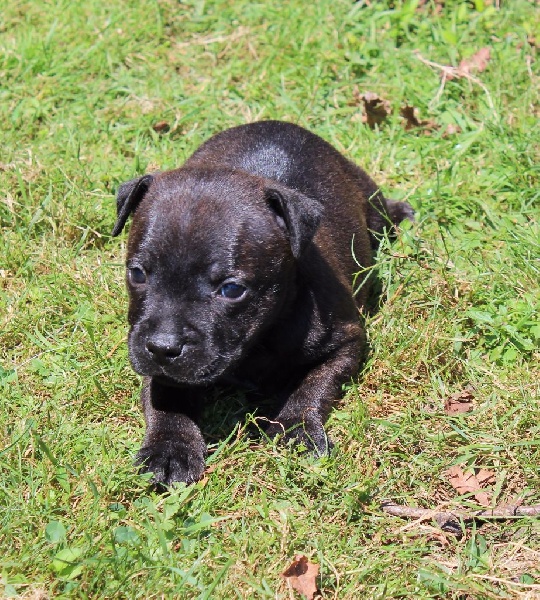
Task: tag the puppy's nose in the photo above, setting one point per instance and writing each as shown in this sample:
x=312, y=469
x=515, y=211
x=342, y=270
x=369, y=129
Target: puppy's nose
x=164, y=348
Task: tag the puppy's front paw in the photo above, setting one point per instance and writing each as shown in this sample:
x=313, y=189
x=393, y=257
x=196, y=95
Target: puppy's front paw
x=310, y=434
x=170, y=461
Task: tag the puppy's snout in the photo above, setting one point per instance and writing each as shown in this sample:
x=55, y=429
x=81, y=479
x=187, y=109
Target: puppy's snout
x=164, y=348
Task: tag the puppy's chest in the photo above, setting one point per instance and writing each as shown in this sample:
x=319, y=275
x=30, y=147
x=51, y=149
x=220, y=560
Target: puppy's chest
x=271, y=367
x=263, y=370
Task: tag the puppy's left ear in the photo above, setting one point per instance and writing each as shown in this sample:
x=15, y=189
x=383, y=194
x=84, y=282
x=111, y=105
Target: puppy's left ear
x=296, y=214
x=128, y=198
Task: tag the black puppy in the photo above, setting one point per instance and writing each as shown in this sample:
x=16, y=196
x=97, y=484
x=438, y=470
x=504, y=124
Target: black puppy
x=239, y=269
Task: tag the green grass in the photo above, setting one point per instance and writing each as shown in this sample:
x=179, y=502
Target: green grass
x=82, y=84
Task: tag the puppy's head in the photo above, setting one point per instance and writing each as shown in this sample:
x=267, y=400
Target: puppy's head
x=211, y=263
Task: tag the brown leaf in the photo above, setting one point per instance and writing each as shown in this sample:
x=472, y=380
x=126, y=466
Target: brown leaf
x=302, y=575
x=469, y=483
x=477, y=62
x=410, y=114
x=485, y=477
x=460, y=402
x=161, y=127
x=375, y=109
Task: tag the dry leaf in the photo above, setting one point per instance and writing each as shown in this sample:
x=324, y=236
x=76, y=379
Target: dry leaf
x=161, y=127
x=460, y=402
x=302, y=575
x=375, y=109
x=469, y=483
x=410, y=114
x=477, y=62
x=485, y=477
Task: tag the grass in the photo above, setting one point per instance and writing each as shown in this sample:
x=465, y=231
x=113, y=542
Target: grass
x=83, y=85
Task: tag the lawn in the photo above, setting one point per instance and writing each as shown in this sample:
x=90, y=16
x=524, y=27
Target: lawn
x=94, y=93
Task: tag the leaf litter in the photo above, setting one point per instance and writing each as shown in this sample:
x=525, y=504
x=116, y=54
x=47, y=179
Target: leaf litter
x=302, y=576
x=460, y=402
x=412, y=120
x=477, y=62
x=376, y=110
x=467, y=482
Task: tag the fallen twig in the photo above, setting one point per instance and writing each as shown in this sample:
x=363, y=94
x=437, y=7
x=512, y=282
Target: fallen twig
x=530, y=586
x=449, y=520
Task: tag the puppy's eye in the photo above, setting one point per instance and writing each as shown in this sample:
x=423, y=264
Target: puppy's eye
x=232, y=291
x=137, y=276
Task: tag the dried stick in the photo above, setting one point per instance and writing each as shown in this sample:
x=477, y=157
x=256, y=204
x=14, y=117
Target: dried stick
x=449, y=520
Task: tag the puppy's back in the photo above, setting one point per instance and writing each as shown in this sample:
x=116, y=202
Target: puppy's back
x=303, y=161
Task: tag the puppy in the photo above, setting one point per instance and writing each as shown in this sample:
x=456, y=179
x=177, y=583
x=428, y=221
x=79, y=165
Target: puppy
x=240, y=267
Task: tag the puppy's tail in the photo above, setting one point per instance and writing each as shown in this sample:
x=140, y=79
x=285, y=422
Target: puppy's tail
x=383, y=216
x=399, y=211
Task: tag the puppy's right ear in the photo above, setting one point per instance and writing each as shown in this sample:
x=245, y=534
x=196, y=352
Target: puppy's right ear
x=128, y=198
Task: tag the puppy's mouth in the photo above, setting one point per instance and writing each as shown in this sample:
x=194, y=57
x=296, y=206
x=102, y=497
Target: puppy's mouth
x=167, y=381
x=178, y=375
x=180, y=381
